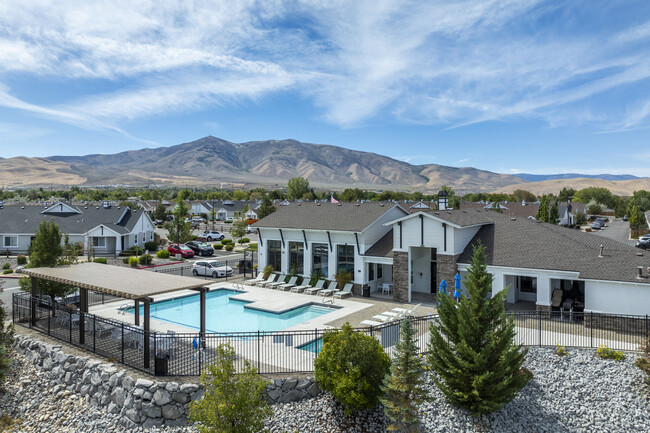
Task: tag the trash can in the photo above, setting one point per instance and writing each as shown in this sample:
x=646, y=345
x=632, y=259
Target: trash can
x=365, y=291
x=161, y=365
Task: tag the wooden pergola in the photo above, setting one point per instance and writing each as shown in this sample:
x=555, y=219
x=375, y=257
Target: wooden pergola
x=134, y=284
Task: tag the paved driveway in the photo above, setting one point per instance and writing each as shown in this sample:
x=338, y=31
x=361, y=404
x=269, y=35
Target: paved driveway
x=618, y=230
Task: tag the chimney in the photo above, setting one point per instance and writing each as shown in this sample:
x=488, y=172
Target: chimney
x=600, y=254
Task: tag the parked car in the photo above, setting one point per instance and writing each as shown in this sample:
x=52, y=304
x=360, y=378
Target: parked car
x=213, y=235
x=624, y=217
x=228, y=219
x=211, y=268
x=200, y=248
x=643, y=243
x=595, y=225
x=198, y=219
x=251, y=229
x=642, y=237
x=182, y=249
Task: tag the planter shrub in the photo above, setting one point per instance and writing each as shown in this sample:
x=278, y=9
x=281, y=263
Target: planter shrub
x=145, y=259
x=133, y=261
x=6, y=266
x=151, y=246
x=125, y=260
x=22, y=260
x=162, y=254
x=218, y=246
x=100, y=260
x=230, y=247
x=8, y=271
x=351, y=366
x=226, y=241
x=244, y=240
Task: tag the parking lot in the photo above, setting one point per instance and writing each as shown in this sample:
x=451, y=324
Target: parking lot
x=618, y=230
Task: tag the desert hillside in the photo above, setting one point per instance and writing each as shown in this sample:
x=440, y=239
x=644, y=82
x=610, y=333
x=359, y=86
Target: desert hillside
x=618, y=187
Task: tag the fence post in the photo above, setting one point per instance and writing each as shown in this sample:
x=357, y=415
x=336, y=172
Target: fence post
x=49, y=317
x=13, y=308
x=591, y=329
x=539, y=317
x=70, y=325
x=258, y=351
x=95, y=332
x=122, y=342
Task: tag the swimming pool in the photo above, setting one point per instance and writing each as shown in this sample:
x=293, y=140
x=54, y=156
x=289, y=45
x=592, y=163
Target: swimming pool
x=228, y=315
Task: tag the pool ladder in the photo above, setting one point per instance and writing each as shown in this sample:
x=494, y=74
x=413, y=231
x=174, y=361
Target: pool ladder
x=325, y=298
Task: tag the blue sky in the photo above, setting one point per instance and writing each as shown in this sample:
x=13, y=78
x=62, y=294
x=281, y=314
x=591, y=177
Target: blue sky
x=508, y=86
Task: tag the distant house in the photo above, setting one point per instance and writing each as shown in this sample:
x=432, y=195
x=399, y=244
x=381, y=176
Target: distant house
x=105, y=229
x=568, y=212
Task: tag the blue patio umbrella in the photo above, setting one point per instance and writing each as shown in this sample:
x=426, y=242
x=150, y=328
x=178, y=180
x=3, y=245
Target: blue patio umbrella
x=457, y=286
x=443, y=287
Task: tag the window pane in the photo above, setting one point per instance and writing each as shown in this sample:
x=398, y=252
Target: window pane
x=275, y=255
x=345, y=258
x=320, y=257
x=296, y=257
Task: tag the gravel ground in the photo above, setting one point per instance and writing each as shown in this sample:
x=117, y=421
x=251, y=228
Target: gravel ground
x=575, y=393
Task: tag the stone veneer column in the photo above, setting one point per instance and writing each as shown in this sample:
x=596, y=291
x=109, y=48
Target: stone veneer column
x=400, y=276
x=447, y=269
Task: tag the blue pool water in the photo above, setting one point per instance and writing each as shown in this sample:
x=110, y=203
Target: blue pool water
x=313, y=346
x=227, y=315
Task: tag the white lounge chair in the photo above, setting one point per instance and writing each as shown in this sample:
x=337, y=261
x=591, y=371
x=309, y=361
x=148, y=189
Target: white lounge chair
x=406, y=311
x=252, y=282
x=347, y=291
x=316, y=288
x=279, y=282
x=269, y=280
x=290, y=284
x=330, y=289
x=301, y=288
x=381, y=319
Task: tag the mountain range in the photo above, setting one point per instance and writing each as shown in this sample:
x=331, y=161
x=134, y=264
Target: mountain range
x=269, y=163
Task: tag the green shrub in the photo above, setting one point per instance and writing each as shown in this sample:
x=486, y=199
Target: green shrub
x=151, y=246
x=351, y=366
x=136, y=250
x=344, y=277
x=218, y=246
x=22, y=260
x=268, y=270
x=159, y=226
x=125, y=260
x=229, y=247
x=100, y=260
x=244, y=240
x=162, y=254
x=6, y=344
x=252, y=246
x=607, y=353
x=226, y=241
x=8, y=271
x=560, y=350
x=233, y=402
x=133, y=261
x=587, y=229
x=314, y=277
x=6, y=266
x=145, y=259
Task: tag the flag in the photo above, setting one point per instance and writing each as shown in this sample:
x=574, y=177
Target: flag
x=333, y=200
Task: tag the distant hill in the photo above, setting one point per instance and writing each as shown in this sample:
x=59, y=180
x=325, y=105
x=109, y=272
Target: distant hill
x=542, y=177
x=210, y=160
x=617, y=187
x=269, y=163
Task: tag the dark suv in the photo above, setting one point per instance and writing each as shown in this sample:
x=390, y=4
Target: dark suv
x=200, y=248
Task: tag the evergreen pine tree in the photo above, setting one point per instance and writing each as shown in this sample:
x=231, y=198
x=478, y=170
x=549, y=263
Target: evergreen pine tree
x=472, y=350
x=266, y=208
x=542, y=213
x=404, y=387
x=554, y=213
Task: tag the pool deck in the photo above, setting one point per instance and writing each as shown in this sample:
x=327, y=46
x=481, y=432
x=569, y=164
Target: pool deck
x=351, y=309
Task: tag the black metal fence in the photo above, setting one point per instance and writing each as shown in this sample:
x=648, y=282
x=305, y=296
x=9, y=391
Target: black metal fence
x=186, y=354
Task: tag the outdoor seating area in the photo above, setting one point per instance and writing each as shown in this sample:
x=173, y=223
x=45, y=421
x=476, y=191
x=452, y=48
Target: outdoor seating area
x=277, y=282
x=395, y=314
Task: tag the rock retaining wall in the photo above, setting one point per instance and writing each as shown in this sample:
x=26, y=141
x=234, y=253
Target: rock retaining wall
x=140, y=402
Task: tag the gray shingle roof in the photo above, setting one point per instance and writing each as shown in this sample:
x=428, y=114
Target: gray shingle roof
x=25, y=219
x=462, y=217
x=525, y=243
x=325, y=216
x=383, y=247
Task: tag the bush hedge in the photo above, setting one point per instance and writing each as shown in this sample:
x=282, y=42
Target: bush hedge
x=244, y=240
x=22, y=260
x=230, y=247
x=100, y=260
x=151, y=246
x=145, y=259
x=162, y=254
x=8, y=271
x=226, y=241
x=133, y=261
x=6, y=266
x=125, y=260
x=218, y=246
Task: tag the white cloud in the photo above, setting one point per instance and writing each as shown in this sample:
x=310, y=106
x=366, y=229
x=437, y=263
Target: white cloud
x=438, y=62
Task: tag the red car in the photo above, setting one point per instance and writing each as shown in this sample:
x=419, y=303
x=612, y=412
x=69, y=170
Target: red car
x=182, y=249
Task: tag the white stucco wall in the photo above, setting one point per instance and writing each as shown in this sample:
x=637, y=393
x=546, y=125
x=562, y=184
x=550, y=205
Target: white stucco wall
x=617, y=297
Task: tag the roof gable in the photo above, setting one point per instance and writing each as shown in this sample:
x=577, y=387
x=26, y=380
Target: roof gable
x=60, y=208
